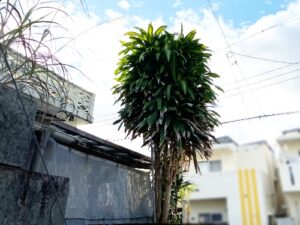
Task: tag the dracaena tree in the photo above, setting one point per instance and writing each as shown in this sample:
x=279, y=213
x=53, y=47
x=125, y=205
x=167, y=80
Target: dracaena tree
x=167, y=96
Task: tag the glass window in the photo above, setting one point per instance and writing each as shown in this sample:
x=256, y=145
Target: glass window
x=216, y=217
x=204, y=218
x=204, y=167
x=215, y=166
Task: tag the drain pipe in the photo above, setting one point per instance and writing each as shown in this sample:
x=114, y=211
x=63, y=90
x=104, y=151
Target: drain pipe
x=36, y=163
x=47, y=132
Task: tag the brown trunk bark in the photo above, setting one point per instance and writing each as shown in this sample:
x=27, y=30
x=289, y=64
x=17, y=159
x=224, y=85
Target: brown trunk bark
x=170, y=174
x=158, y=186
x=164, y=177
x=166, y=203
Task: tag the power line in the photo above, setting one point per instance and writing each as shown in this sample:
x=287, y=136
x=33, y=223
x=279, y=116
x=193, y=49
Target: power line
x=272, y=84
x=235, y=60
x=263, y=59
x=31, y=128
x=262, y=31
x=225, y=38
x=104, y=120
x=116, y=140
x=261, y=117
x=266, y=79
x=260, y=74
x=106, y=115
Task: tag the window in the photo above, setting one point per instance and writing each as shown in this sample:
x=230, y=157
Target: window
x=210, y=217
x=204, y=218
x=204, y=167
x=210, y=166
x=216, y=218
x=215, y=166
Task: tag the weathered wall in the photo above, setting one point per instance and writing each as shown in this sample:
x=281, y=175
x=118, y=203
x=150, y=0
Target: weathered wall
x=101, y=191
x=15, y=133
x=28, y=199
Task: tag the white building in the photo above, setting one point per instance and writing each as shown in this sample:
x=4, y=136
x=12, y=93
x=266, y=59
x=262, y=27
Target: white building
x=236, y=186
x=289, y=172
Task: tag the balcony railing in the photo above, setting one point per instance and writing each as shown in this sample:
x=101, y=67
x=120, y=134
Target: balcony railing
x=54, y=94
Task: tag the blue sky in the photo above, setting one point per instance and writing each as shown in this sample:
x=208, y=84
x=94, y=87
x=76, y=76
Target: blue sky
x=250, y=23
x=238, y=12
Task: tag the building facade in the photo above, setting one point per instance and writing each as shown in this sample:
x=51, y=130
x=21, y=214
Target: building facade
x=236, y=186
x=289, y=173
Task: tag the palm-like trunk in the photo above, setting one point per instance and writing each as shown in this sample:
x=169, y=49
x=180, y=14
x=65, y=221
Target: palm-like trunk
x=164, y=180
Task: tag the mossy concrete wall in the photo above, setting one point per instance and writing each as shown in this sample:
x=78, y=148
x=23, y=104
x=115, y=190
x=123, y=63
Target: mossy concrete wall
x=26, y=198
x=15, y=134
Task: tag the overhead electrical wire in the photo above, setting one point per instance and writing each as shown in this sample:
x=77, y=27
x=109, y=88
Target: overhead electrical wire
x=235, y=60
x=263, y=59
x=263, y=31
x=263, y=80
x=260, y=74
x=258, y=117
x=269, y=85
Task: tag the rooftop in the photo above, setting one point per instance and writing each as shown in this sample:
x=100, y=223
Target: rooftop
x=92, y=145
x=225, y=140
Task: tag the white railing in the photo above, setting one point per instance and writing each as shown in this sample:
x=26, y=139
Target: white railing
x=66, y=100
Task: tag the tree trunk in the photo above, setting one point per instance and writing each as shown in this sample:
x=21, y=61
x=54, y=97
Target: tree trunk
x=170, y=171
x=166, y=203
x=157, y=186
x=165, y=173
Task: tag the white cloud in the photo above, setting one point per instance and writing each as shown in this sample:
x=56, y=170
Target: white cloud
x=112, y=14
x=98, y=57
x=124, y=4
x=177, y=3
x=270, y=42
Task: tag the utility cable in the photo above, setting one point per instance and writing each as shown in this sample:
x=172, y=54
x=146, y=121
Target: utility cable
x=262, y=31
x=266, y=79
x=260, y=74
x=272, y=84
x=31, y=128
x=235, y=60
x=263, y=59
x=261, y=117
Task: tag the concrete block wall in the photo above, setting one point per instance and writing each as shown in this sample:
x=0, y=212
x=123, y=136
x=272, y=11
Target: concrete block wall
x=27, y=198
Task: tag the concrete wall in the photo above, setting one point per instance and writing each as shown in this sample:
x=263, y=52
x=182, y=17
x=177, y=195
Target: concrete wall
x=15, y=134
x=293, y=206
x=28, y=198
x=101, y=191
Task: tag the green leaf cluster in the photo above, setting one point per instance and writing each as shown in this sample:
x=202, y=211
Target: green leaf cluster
x=166, y=91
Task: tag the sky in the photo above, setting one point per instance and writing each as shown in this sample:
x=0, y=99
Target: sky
x=255, y=50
